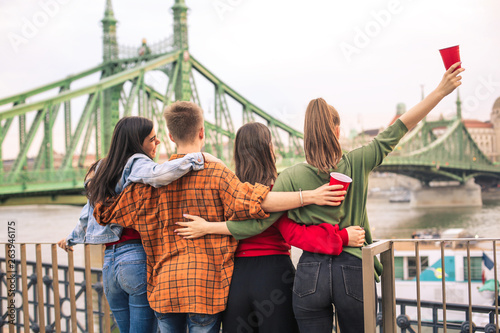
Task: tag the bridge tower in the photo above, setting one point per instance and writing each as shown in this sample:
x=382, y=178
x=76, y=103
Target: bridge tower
x=109, y=41
x=183, y=90
x=108, y=113
x=495, y=120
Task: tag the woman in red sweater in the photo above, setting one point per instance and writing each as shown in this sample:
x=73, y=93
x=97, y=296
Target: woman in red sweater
x=260, y=297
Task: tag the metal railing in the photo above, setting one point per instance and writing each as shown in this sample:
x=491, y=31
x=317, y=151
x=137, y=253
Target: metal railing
x=388, y=319
x=49, y=297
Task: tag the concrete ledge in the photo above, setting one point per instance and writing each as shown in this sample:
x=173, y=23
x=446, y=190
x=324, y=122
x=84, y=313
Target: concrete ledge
x=467, y=195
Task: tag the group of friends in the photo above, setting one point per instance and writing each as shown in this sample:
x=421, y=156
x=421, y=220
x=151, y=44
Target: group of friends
x=191, y=246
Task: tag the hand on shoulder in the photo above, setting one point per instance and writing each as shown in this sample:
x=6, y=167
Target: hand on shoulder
x=211, y=158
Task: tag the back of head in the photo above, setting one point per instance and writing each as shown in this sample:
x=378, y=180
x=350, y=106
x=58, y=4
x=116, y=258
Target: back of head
x=128, y=137
x=184, y=120
x=321, y=144
x=254, y=158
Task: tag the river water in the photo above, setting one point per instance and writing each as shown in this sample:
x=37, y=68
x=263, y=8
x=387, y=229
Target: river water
x=50, y=223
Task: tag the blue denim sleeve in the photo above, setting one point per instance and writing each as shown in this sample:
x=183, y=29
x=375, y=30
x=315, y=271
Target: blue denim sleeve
x=77, y=236
x=87, y=230
x=141, y=169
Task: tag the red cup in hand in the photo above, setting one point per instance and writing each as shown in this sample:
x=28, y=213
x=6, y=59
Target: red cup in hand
x=450, y=56
x=337, y=178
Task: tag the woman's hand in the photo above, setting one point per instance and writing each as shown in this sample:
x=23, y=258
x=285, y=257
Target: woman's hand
x=196, y=228
x=326, y=195
x=451, y=80
x=211, y=158
x=356, y=236
x=63, y=245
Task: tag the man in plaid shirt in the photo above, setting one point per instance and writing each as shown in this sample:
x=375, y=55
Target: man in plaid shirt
x=188, y=279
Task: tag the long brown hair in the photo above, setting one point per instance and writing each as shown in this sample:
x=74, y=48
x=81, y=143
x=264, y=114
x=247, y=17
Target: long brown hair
x=321, y=144
x=128, y=136
x=254, y=159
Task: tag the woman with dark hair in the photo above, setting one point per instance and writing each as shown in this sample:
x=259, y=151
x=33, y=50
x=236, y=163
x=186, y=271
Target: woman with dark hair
x=130, y=159
x=260, y=296
x=325, y=280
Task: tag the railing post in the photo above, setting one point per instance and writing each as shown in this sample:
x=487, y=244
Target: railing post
x=39, y=287
x=72, y=296
x=107, y=314
x=24, y=283
x=10, y=279
x=370, y=317
x=55, y=287
x=388, y=290
x=88, y=290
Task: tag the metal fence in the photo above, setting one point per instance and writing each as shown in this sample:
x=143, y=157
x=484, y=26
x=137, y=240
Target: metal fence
x=389, y=320
x=49, y=297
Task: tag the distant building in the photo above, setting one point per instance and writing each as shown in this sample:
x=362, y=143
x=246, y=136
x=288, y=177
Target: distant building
x=365, y=136
x=486, y=134
x=483, y=133
x=495, y=121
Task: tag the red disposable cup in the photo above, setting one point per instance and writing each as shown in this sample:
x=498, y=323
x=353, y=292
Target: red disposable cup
x=450, y=56
x=337, y=178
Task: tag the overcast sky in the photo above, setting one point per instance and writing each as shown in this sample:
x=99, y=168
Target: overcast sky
x=363, y=57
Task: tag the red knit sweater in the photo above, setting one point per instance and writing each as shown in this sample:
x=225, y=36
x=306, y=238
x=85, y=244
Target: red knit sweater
x=323, y=238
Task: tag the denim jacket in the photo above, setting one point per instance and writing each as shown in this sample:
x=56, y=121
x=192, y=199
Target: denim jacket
x=139, y=169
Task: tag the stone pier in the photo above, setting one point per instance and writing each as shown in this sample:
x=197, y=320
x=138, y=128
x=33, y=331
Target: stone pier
x=468, y=194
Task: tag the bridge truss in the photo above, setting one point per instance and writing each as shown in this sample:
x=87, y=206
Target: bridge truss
x=450, y=156
x=55, y=139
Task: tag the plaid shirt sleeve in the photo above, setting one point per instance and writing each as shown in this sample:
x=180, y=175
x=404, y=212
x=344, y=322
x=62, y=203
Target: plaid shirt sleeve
x=242, y=201
x=122, y=210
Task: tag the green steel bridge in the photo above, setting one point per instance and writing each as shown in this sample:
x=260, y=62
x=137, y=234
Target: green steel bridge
x=56, y=138
x=63, y=147
x=451, y=156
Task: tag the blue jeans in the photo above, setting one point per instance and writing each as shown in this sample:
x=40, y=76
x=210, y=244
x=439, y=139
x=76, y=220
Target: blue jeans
x=125, y=286
x=322, y=280
x=180, y=322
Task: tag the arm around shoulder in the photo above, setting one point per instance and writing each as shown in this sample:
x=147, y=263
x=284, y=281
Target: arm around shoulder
x=145, y=170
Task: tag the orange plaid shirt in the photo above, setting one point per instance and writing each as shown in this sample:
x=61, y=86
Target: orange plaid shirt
x=187, y=275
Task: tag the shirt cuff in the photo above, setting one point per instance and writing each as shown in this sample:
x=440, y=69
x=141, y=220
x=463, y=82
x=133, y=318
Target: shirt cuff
x=259, y=194
x=198, y=161
x=345, y=236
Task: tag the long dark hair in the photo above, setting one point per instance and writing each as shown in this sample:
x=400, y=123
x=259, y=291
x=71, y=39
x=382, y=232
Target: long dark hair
x=321, y=144
x=254, y=159
x=128, y=137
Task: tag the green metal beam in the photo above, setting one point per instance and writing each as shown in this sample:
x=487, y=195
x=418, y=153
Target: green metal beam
x=243, y=101
x=86, y=141
x=21, y=157
x=89, y=109
x=156, y=95
x=59, y=83
x=103, y=84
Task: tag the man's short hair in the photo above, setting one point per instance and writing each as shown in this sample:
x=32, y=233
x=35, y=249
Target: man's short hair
x=184, y=120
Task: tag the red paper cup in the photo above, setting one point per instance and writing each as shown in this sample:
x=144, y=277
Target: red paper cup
x=340, y=179
x=450, y=56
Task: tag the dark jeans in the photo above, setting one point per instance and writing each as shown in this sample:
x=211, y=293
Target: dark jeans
x=188, y=322
x=323, y=280
x=260, y=297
